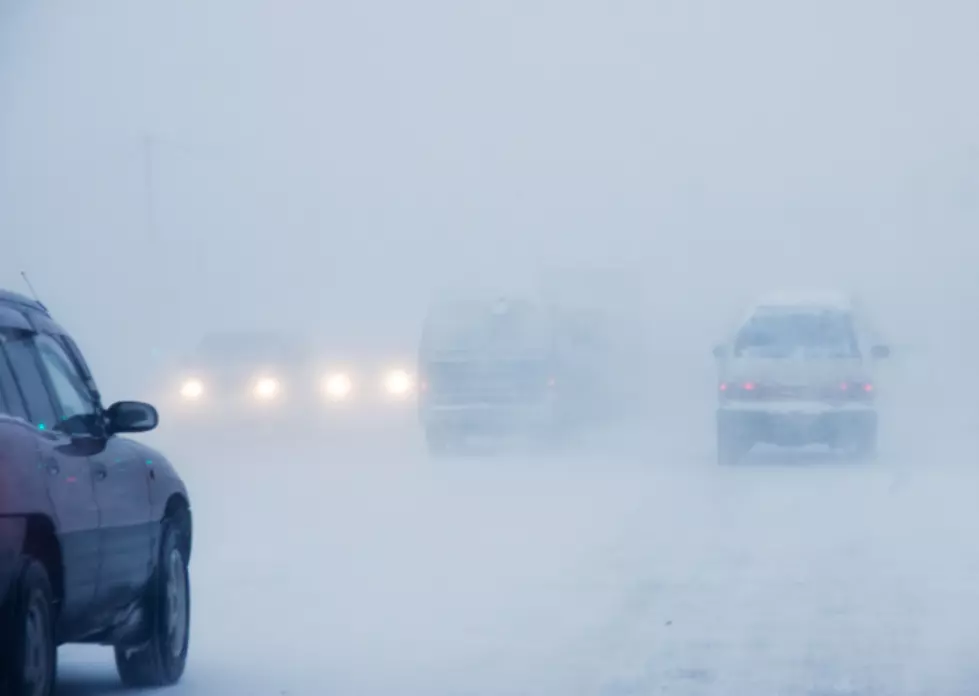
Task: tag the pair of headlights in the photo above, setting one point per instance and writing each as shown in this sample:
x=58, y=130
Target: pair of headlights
x=396, y=383
x=337, y=387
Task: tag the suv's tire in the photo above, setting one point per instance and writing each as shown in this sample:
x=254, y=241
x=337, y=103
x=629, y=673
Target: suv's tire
x=864, y=444
x=161, y=659
x=28, y=652
x=731, y=444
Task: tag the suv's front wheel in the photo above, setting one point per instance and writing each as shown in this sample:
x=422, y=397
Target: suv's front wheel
x=863, y=444
x=160, y=660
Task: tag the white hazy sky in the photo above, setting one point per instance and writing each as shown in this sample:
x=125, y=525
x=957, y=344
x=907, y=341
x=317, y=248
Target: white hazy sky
x=331, y=162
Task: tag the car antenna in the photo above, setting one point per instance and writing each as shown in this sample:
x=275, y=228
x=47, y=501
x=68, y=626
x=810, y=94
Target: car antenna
x=23, y=274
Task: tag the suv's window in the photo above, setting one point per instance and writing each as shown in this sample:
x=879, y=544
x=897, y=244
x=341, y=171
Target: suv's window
x=804, y=334
x=76, y=354
x=11, y=401
x=22, y=355
x=69, y=385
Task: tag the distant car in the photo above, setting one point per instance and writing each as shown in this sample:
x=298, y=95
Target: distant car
x=798, y=371
x=236, y=374
x=245, y=376
x=95, y=529
x=366, y=375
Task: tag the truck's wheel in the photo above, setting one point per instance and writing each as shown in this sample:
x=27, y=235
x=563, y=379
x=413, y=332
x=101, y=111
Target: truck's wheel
x=161, y=658
x=28, y=653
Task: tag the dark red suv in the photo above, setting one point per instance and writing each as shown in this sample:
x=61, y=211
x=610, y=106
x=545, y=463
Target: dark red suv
x=95, y=529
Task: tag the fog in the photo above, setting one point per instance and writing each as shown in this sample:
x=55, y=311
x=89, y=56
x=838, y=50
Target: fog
x=328, y=168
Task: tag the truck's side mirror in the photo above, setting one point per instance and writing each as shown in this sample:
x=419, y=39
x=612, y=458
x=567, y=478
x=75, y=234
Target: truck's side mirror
x=720, y=351
x=880, y=352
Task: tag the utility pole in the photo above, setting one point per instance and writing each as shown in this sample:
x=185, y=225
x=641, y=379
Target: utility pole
x=149, y=185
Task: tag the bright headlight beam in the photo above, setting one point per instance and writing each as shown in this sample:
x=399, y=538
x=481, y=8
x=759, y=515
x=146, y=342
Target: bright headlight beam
x=397, y=382
x=338, y=386
x=192, y=389
x=266, y=388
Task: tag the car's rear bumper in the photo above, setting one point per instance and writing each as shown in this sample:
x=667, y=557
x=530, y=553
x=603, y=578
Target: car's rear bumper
x=797, y=423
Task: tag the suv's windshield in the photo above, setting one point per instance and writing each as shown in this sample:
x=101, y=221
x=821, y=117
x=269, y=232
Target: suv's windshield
x=798, y=334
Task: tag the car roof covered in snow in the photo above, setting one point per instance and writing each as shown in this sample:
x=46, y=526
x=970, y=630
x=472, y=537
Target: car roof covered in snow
x=819, y=300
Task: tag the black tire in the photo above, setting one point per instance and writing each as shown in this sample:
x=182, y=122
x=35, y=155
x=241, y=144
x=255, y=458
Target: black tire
x=28, y=652
x=731, y=444
x=160, y=660
x=864, y=445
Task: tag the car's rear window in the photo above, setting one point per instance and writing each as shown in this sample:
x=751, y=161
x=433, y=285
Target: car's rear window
x=806, y=334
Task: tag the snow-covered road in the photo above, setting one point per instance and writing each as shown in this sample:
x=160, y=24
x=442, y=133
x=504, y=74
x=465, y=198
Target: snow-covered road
x=356, y=566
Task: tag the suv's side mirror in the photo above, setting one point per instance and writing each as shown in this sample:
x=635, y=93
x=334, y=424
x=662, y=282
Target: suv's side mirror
x=880, y=352
x=131, y=417
x=720, y=351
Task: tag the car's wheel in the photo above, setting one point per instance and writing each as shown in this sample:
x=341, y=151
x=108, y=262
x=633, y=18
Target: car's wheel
x=161, y=658
x=28, y=652
x=864, y=444
x=731, y=443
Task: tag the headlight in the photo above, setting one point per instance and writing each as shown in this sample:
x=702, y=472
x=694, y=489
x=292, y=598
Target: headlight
x=192, y=389
x=397, y=383
x=338, y=386
x=266, y=388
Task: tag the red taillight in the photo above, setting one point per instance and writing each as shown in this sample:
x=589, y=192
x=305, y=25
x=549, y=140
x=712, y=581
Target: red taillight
x=733, y=391
x=856, y=389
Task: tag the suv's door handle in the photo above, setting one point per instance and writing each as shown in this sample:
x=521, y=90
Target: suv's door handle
x=52, y=466
x=100, y=473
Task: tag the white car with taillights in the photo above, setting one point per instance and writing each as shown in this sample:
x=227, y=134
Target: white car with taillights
x=798, y=371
